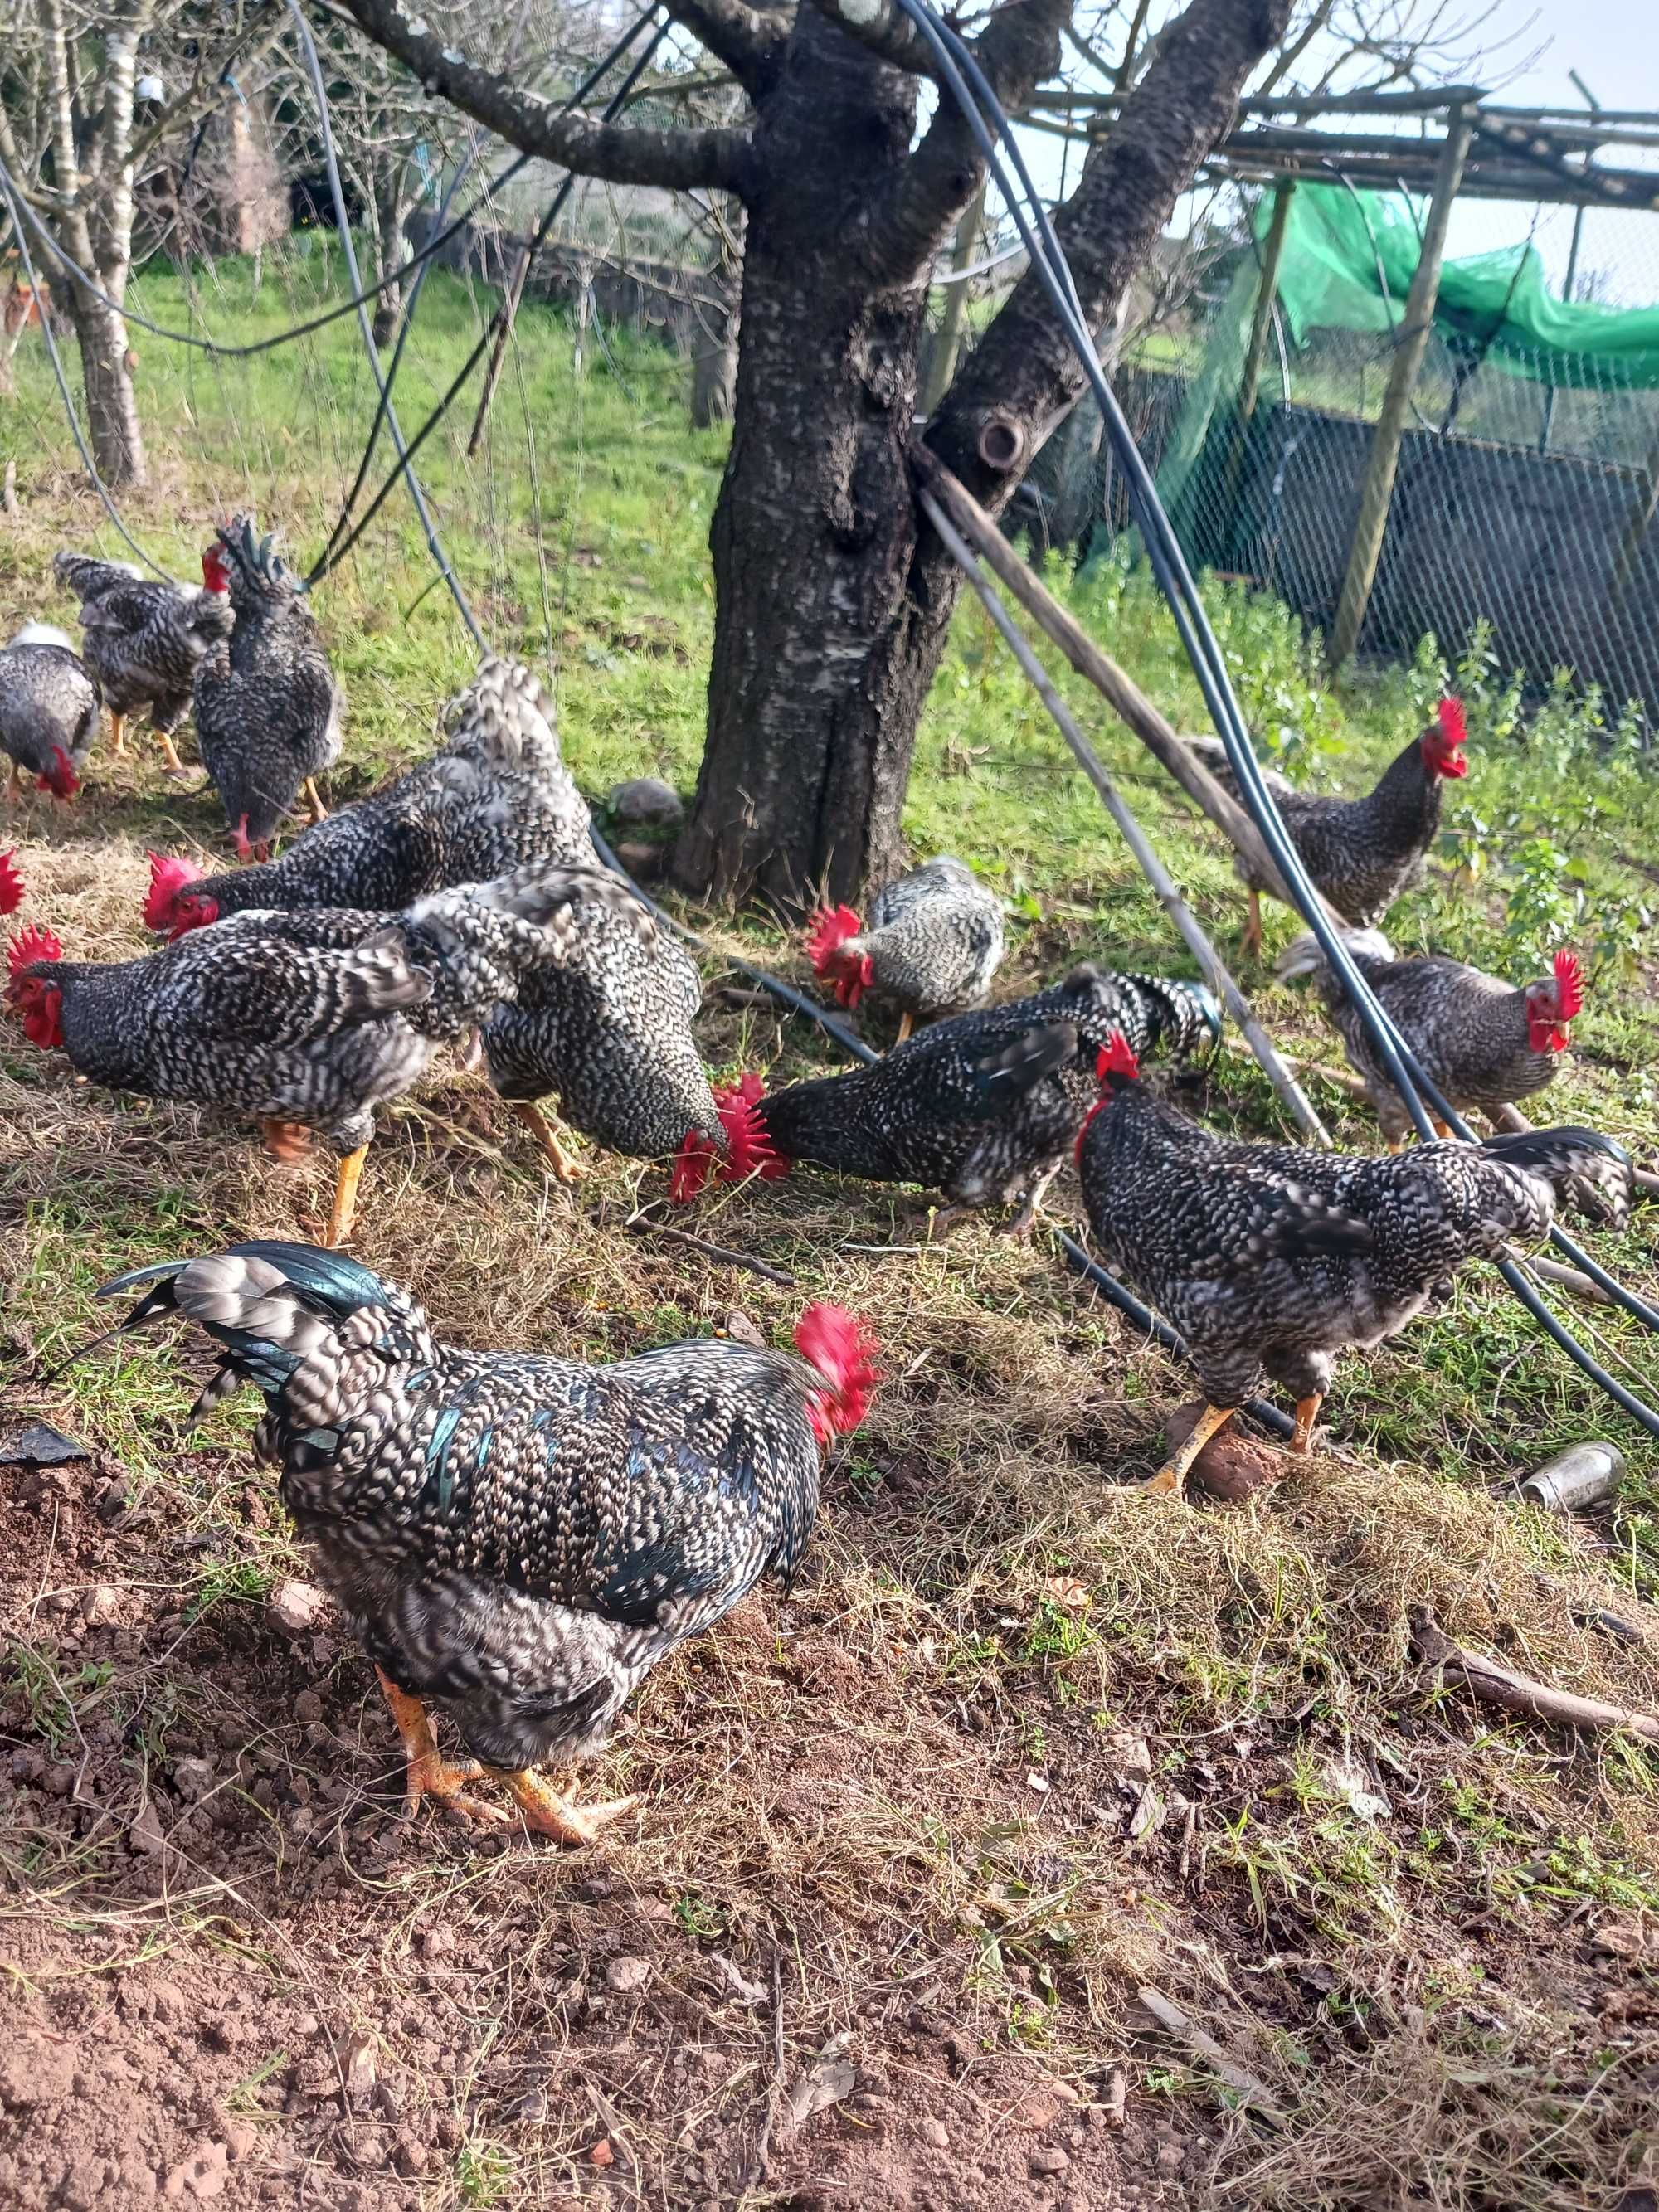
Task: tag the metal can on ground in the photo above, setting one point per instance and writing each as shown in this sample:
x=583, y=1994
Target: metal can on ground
x=1582, y=1476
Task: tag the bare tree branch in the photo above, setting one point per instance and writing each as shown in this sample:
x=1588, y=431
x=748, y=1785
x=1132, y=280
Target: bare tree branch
x=1018, y=49
x=677, y=160
x=749, y=40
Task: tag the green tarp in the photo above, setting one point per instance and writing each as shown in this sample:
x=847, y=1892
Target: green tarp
x=1348, y=263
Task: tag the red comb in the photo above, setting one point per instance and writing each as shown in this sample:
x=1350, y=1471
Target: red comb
x=31, y=944
x=749, y=1148
x=1117, y=1059
x=168, y=877
x=829, y=930
x=1454, y=726
x=1569, y=986
x=693, y=1163
x=60, y=778
x=12, y=884
x=838, y=1345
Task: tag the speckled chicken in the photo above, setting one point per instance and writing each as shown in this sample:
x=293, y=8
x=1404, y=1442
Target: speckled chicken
x=268, y=709
x=984, y=1106
x=143, y=639
x=1271, y=1258
x=1481, y=1042
x=306, y=1021
x=495, y=795
x=1361, y=853
x=931, y=946
x=517, y=1540
x=49, y=711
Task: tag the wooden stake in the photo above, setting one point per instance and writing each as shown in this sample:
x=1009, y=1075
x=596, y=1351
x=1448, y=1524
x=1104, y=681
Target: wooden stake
x=1249, y=384
x=1289, y=1089
x=509, y=309
x=1377, y=493
x=1120, y=690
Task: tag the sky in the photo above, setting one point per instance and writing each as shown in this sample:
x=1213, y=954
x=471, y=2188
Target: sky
x=1531, y=45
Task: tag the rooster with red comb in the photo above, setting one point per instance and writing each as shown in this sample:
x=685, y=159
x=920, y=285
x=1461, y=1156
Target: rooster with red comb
x=518, y=1540
x=1361, y=853
x=49, y=712
x=1482, y=1043
x=931, y=946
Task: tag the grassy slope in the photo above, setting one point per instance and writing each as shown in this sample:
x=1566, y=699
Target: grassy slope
x=1385, y=1974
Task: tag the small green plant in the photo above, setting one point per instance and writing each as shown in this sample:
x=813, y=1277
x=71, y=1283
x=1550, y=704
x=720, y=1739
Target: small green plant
x=484, y=2171
x=698, y=1916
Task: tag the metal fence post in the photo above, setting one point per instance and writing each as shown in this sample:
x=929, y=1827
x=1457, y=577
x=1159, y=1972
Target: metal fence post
x=942, y=366
x=1376, y=493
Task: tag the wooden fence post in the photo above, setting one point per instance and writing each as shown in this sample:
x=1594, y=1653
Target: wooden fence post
x=1249, y=384
x=942, y=363
x=1377, y=493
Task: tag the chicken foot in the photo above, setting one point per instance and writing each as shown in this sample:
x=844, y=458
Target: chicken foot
x=907, y=1022
x=313, y=801
x=1307, y=1413
x=549, y=1813
x=118, y=743
x=170, y=754
x=427, y=1773
x=1250, y=943
x=547, y=1142
x=343, y=1211
x=1170, y=1481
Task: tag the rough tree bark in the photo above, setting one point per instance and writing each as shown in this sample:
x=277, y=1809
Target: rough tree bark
x=832, y=602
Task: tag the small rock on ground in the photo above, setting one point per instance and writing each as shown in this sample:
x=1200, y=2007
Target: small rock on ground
x=645, y=803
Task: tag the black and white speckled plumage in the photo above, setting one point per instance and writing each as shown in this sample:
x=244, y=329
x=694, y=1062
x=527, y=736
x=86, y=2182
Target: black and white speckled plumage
x=268, y=709
x=519, y=1539
x=48, y=706
x=1361, y=853
x=933, y=939
x=319, y=1016
x=497, y=795
x=1271, y=1257
x=1470, y=1031
x=986, y=1106
x=144, y=638
x=610, y=1033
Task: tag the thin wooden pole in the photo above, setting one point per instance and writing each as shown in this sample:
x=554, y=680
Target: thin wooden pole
x=943, y=365
x=498, y=351
x=1283, y=1081
x=1120, y=690
x=1376, y=493
x=1272, y=253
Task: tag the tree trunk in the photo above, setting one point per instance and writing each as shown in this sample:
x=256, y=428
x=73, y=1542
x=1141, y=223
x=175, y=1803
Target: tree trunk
x=392, y=206
x=106, y=367
x=817, y=682
x=831, y=611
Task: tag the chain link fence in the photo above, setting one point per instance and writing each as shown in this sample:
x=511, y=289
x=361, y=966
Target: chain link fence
x=1527, y=500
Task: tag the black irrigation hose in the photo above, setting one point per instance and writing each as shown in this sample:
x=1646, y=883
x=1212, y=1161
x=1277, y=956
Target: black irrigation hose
x=957, y=67
x=336, y=552
x=88, y=283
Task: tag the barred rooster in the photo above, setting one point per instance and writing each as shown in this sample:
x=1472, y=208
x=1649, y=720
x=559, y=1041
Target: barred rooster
x=268, y=708
x=307, y=1021
x=517, y=1540
x=143, y=642
x=931, y=945
x=1481, y=1042
x=1361, y=853
x=984, y=1106
x=49, y=711
x=495, y=795
x=1270, y=1258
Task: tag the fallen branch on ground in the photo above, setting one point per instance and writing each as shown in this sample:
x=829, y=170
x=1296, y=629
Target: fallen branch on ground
x=780, y=1276
x=1492, y=1683
x=1171, y=2019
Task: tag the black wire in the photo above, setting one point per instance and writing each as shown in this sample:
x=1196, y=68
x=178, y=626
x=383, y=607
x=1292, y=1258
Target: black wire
x=336, y=553
x=1198, y=639
x=346, y=306
x=88, y=462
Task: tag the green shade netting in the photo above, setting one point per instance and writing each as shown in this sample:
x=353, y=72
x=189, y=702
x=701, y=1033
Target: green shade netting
x=1348, y=262
x=1342, y=247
